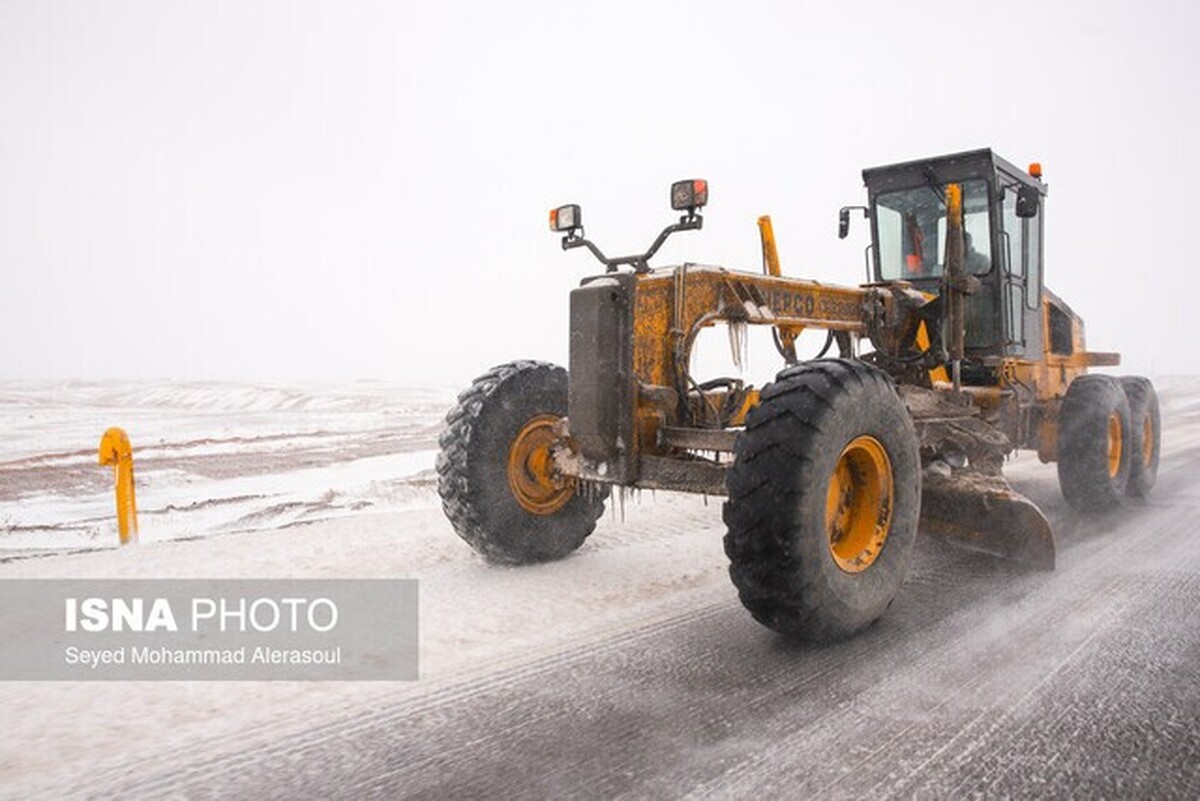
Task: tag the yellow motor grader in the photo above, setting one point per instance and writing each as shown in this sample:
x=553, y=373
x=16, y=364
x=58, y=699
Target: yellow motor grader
x=951, y=357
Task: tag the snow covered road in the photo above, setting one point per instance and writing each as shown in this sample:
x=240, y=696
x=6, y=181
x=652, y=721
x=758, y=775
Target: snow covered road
x=631, y=669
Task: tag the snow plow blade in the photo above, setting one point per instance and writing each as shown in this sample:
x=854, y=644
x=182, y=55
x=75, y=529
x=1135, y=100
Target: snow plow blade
x=985, y=514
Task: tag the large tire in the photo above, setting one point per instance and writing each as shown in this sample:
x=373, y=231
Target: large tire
x=1145, y=435
x=824, y=499
x=494, y=502
x=1094, y=443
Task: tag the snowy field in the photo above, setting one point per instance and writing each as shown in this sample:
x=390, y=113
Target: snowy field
x=336, y=482
x=208, y=458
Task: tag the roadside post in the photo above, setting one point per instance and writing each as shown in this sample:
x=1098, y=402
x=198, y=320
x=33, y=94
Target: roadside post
x=115, y=450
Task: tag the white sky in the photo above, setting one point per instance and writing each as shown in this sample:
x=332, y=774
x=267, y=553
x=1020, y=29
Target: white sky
x=263, y=190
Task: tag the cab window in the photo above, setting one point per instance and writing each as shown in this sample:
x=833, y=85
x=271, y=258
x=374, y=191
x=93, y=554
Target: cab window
x=912, y=231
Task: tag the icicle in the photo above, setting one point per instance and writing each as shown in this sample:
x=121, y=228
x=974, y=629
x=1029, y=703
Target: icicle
x=739, y=344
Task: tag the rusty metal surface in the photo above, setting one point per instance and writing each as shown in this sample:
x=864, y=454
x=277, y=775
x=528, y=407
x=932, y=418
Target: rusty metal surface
x=700, y=439
x=682, y=475
x=671, y=306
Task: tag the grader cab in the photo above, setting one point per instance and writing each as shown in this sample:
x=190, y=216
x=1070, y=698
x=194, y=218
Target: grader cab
x=950, y=357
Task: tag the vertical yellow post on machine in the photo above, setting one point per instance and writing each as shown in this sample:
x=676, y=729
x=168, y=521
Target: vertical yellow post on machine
x=770, y=254
x=766, y=234
x=115, y=450
x=958, y=283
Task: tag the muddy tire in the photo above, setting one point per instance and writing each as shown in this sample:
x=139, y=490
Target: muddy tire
x=1094, y=443
x=824, y=499
x=1145, y=435
x=494, y=476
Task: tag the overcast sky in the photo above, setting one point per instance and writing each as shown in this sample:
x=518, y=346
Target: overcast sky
x=279, y=190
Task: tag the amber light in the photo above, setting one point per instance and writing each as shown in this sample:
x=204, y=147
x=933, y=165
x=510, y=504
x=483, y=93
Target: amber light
x=1035, y=169
x=565, y=218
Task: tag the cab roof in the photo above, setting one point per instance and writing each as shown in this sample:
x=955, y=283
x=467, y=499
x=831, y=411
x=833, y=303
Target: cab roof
x=982, y=163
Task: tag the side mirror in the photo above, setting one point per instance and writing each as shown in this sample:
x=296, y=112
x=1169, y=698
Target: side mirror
x=1028, y=201
x=844, y=219
x=566, y=218
x=689, y=195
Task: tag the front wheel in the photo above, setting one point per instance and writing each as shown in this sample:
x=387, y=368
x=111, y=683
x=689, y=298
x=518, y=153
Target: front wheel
x=496, y=474
x=824, y=499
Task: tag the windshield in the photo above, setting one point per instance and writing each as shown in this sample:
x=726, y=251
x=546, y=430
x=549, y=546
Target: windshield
x=912, y=231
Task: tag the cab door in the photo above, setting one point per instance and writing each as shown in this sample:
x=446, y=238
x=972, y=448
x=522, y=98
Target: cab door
x=1021, y=257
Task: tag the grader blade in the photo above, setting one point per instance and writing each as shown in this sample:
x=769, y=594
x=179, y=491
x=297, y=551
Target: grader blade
x=984, y=513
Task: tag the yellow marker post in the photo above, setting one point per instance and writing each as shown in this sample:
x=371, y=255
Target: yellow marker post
x=116, y=451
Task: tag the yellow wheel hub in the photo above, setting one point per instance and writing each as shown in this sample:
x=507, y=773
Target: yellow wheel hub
x=1147, y=441
x=1114, y=445
x=858, y=508
x=534, y=482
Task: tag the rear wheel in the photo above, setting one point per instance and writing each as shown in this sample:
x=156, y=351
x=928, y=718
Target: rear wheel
x=824, y=498
x=1094, y=443
x=496, y=472
x=1145, y=438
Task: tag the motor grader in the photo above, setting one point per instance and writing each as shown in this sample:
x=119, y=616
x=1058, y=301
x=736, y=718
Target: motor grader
x=953, y=356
